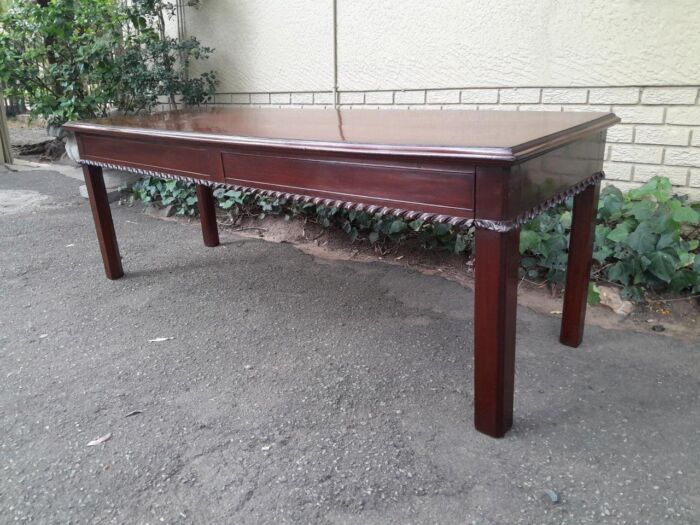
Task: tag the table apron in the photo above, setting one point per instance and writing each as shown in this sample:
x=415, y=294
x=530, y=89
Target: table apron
x=432, y=190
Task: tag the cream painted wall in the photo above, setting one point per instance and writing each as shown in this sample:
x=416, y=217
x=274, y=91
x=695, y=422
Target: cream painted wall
x=287, y=45
x=267, y=45
x=391, y=44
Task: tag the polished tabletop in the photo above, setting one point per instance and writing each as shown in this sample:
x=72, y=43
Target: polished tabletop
x=505, y=135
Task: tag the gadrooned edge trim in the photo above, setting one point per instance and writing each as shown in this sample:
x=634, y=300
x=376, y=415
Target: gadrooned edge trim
x=495, y=225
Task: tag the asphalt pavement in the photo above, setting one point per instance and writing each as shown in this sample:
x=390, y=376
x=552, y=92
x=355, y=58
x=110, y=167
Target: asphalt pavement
x=252, y=383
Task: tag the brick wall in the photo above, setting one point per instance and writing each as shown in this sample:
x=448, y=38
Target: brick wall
x=659, y=133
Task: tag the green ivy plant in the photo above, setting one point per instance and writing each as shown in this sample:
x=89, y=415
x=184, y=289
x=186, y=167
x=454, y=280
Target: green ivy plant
x=642, y=241
x=74, y=59
x=645, y=239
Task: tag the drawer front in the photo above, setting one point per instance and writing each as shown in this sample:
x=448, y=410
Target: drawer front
x=173, y=158
x=383, y=184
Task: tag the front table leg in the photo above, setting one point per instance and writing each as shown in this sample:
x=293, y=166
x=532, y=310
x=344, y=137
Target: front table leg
x=207, y=215
x=496, y=267
x=102, y=215
x=578, y=268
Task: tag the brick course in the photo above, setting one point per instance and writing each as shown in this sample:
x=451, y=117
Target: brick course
x=479, y=96
x=519, y=96
x=670, y=135
x=445, y=96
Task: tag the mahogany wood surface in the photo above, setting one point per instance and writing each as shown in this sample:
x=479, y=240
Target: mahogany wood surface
x=102, y=215
x=395, y=185
x=578, y=268
x=496, y=169
x=207, y=215
x=501, y=136
x=496, y=289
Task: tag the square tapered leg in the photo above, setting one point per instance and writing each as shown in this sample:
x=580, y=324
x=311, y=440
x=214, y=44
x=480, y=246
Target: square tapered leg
x=579, y=265
x=102, y=215
x=207, y=215
x=496, y=270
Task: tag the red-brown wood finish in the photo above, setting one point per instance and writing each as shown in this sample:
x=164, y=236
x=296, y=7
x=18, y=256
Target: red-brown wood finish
x=207, y=215
x=399, y=184
x=176, y=156
x=578, y=268
x=494, y=167
x=102, y=215
x=498, y=136
x=495, y=307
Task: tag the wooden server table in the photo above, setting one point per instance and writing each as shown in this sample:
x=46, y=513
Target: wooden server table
x=495, y=170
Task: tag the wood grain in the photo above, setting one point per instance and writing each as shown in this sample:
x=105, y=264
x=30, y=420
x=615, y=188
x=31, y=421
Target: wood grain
x=207, y=215
x=102, y=216
x=578, y=268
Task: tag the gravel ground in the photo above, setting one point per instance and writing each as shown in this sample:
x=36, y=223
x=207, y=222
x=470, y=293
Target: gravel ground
x=295, y=390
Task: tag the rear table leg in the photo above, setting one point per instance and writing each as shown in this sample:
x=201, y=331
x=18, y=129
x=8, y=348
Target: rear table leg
x=207, y=215
x=102, y=215
x=496, y=270
x=579, y=266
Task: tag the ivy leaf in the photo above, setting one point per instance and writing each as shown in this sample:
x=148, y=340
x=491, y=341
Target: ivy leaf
x=657, y=187
x=397, y=226
x=565, y=219
x=618, y=273
x=642, y=239
x=373, y=237
x=460, y=244
x=528, y=241
x=602, y=254
x=683, y=279
x=662, y=266
x=620, y=232
x=685, y=258
x=416, y=225
x=667, y=239
x=441, y=229
x=685, y=214
x=610, y=204
x=641, y=210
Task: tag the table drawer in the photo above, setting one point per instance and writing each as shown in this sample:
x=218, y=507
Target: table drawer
x=394, y=185
x=172, y=158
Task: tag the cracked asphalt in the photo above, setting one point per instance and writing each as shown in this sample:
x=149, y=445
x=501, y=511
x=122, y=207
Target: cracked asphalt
x=295, y=390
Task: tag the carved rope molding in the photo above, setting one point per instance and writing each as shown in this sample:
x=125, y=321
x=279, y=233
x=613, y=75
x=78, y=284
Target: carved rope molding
x=499, y=226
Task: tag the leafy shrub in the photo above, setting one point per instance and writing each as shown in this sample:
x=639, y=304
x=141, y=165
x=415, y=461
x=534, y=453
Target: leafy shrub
x=642, y=241
x=76, y=59
x=168, y=192
x=642, y=238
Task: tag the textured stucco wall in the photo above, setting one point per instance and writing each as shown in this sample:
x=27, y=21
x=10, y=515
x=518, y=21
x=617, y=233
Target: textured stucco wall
x=267, y=45
x=286, y=45
x=391, y=44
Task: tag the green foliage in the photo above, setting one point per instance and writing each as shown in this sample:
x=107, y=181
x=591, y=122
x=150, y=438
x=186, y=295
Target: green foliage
x=641, y=241
x=168, y=192
x=642, y=238
x=74, y=59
